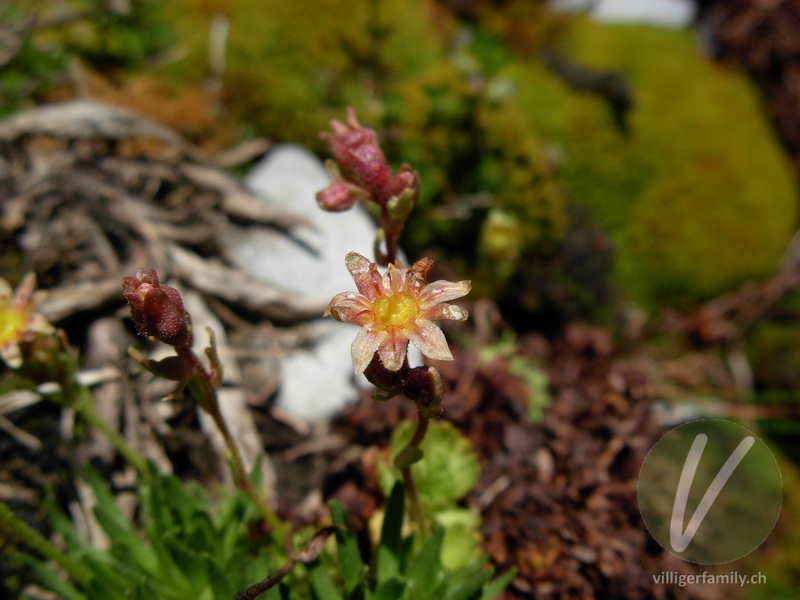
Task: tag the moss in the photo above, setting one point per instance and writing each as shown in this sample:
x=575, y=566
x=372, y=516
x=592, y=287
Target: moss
x=494, y=202
x=522, y=181
x=292, y=66
x=779, y=557
x=773, y=347
x=699, y=196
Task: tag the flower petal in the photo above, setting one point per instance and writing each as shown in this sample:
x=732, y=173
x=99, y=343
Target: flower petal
x=364, y=347
x=5, y=289
x=11, y=355
x=394, y=278
x=444, y=311
x=24, y=291
x=393, y=351
x=365, y=274
x=349, y=307
x=38, y=324
x=442, y=291
x=429, y=339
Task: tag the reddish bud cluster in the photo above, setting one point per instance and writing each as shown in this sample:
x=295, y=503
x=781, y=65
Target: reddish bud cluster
x=360, y=169
x=157, y=310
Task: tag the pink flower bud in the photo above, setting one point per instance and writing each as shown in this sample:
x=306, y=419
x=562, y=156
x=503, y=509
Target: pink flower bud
x=157, y=310
x=337, y=196
x=405, y=179
x=356, y=152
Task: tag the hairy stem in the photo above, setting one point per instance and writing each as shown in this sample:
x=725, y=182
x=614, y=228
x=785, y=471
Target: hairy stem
x=211, y=405
x=84, y=406
x=415, y=506
x=239, y=472
x=391, y=236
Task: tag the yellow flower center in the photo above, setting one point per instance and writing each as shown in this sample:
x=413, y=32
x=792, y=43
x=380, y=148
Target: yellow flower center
x=394, y=310
x=12, y=324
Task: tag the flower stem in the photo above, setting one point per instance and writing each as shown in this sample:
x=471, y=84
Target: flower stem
x=391, y=236
x=84, y=406
x=79, y=398
x=39, y=544
x=210, y=404
x=415, y=506
x=237, y=466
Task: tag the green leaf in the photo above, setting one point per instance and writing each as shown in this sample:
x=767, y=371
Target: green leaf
x=353, y=568
x=155, y=508
x=169, y=571
x=183, y=506
x=389, y=552
x=111, y=579
x=493, y=589
x=390, y=590
x=190, y=563
x=400, y=206
x=60, y=522
x=126, y=541
x=105, y=498
x=50, y=580
x=469, y=587
x=448, y=472
x=321, y=583
x=462, y=539
x=218, y=579
x=426, y=576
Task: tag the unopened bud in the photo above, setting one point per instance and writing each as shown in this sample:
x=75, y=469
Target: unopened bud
x=406, y=181
x=382, y=378
x=337, y=196
x=157, y=310
x=355, y=150
x=424, y=385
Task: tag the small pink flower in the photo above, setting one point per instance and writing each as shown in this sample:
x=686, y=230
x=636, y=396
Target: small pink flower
x=395, y=308
x=18, y=322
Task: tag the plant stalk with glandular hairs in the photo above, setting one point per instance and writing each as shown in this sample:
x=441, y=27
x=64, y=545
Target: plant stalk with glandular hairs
x=157, y=311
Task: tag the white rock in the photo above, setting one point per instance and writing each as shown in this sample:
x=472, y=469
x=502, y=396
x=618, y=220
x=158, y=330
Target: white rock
x=664, y=13
x=311, y=261
x=318, y=382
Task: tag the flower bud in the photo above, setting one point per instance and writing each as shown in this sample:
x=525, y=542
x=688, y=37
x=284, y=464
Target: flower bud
x=405, y=182
x=424, y=385
x=337, y=196
x=157, y=310
x=355, y=150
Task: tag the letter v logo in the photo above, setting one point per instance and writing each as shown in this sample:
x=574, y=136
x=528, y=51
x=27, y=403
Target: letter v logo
x=709, y=491
x=678, y=537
